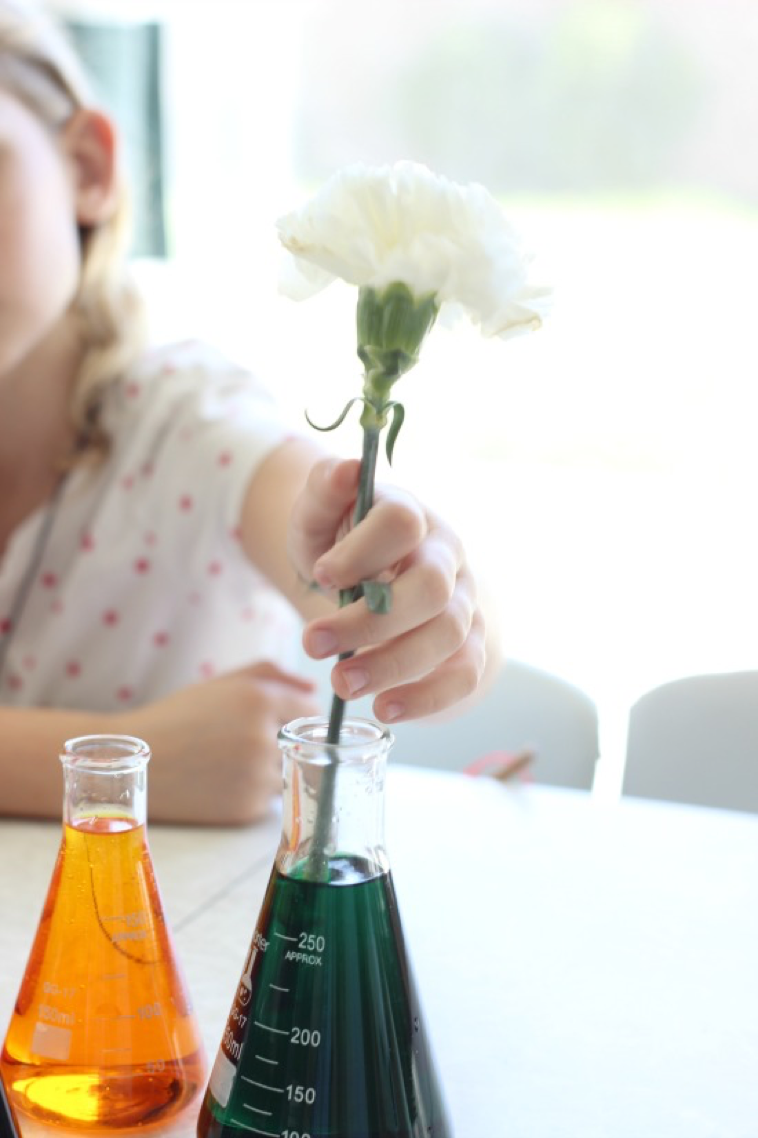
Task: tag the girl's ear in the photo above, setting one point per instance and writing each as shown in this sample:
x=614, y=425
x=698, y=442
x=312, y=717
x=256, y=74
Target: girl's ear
x=89, y=143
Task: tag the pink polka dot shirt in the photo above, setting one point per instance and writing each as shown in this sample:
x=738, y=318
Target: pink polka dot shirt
x=143, y=587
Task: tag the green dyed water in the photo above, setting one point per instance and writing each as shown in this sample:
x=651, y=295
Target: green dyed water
x=325, y=1038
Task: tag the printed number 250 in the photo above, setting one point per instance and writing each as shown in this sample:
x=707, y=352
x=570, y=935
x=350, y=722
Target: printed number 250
x=309, y=942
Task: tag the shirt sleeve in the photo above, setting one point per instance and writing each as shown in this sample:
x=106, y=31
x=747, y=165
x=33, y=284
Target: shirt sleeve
x=194, y=429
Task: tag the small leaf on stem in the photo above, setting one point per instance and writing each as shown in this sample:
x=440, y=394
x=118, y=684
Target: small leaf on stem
x=378, y=596
x=339, y=419
x=398, y=415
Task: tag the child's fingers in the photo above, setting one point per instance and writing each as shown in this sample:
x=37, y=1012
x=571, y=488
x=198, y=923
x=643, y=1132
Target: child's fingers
x=321, y=511
x=394, y=527
x=289, y=702
x=446, y=685
x=421, y=592
x=412, y=655
x=329, y=492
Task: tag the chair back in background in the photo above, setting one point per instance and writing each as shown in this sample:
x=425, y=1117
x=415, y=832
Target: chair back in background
x=695, y=740
x=526, y=709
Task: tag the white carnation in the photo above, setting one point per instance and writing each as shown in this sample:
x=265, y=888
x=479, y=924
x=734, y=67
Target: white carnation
x=373, y=227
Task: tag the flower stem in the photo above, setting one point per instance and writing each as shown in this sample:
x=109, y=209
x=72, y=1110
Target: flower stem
x=317, y=866
x=363, y=504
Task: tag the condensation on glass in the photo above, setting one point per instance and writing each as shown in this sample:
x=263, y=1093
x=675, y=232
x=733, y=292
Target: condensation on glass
x=325, y=1035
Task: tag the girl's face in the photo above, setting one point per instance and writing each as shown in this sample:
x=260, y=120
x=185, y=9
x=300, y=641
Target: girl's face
x=39, y=239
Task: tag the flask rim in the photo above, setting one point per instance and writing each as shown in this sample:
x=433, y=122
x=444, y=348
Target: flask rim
x=105, y=754
x=360, y=738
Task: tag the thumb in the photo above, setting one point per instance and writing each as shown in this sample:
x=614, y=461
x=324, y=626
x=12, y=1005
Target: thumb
x=322, y=510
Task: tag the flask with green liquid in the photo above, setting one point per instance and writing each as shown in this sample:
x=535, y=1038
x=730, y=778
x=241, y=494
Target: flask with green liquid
x=325, y=1037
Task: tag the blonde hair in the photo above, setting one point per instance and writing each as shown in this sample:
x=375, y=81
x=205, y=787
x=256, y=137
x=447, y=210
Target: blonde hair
x=39, y=67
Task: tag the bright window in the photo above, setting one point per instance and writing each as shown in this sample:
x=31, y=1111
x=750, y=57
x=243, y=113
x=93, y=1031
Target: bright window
x=603, y=471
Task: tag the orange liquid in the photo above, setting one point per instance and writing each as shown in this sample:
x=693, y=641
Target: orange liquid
x=103, y=1033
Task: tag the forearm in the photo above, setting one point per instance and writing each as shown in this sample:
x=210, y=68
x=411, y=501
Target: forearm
x=215, y=758
x=31, y=739
x=266, y=522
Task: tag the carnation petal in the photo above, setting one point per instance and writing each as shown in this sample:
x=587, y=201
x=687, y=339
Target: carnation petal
x=525, y=313
x=376, y=226
x=299, y=279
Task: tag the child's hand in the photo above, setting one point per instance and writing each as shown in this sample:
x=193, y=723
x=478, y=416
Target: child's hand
x=428, y=651
x=215, y=753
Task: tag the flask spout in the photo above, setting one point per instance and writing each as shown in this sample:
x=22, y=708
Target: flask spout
x=105, y=782
x=353, y=771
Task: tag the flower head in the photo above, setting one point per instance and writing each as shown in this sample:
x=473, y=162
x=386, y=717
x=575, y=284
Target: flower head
x=413, y=244
x=377, y=227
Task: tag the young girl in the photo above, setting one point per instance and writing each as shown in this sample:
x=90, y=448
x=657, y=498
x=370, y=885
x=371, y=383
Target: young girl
x=157, y=522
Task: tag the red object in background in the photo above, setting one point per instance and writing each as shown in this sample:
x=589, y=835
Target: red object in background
x=502, y=765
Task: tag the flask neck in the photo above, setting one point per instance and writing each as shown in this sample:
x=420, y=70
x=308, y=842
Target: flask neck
x=347, y=778
x=105, y=782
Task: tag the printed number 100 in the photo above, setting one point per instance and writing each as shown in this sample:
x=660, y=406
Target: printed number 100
x=294, y=1134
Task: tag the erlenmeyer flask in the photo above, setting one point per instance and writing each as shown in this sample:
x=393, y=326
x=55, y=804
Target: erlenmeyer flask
x=325, y=1037
x=8, y=1127
x=103, y=1034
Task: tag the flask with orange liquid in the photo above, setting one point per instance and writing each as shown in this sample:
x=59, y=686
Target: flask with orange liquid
x=8, y=1128
x=103, y=1035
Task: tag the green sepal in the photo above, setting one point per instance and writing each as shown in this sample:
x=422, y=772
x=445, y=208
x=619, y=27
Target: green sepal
x=339, y=419
x=378, y=596
x=391, y=325
x=347, y=596
x=384, y=365
x=398, y=415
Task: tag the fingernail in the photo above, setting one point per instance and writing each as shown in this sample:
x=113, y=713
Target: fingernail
x=322, y=577
x=322, y=642
x=393, y=711
x=355, y=679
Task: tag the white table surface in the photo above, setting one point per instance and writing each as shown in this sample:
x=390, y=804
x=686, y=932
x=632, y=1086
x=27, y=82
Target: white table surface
x=586, y=971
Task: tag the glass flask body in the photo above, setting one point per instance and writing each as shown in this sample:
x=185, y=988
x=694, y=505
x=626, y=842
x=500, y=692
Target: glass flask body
x=8, y=1126
x=103, y=1035
x=325, y=1038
